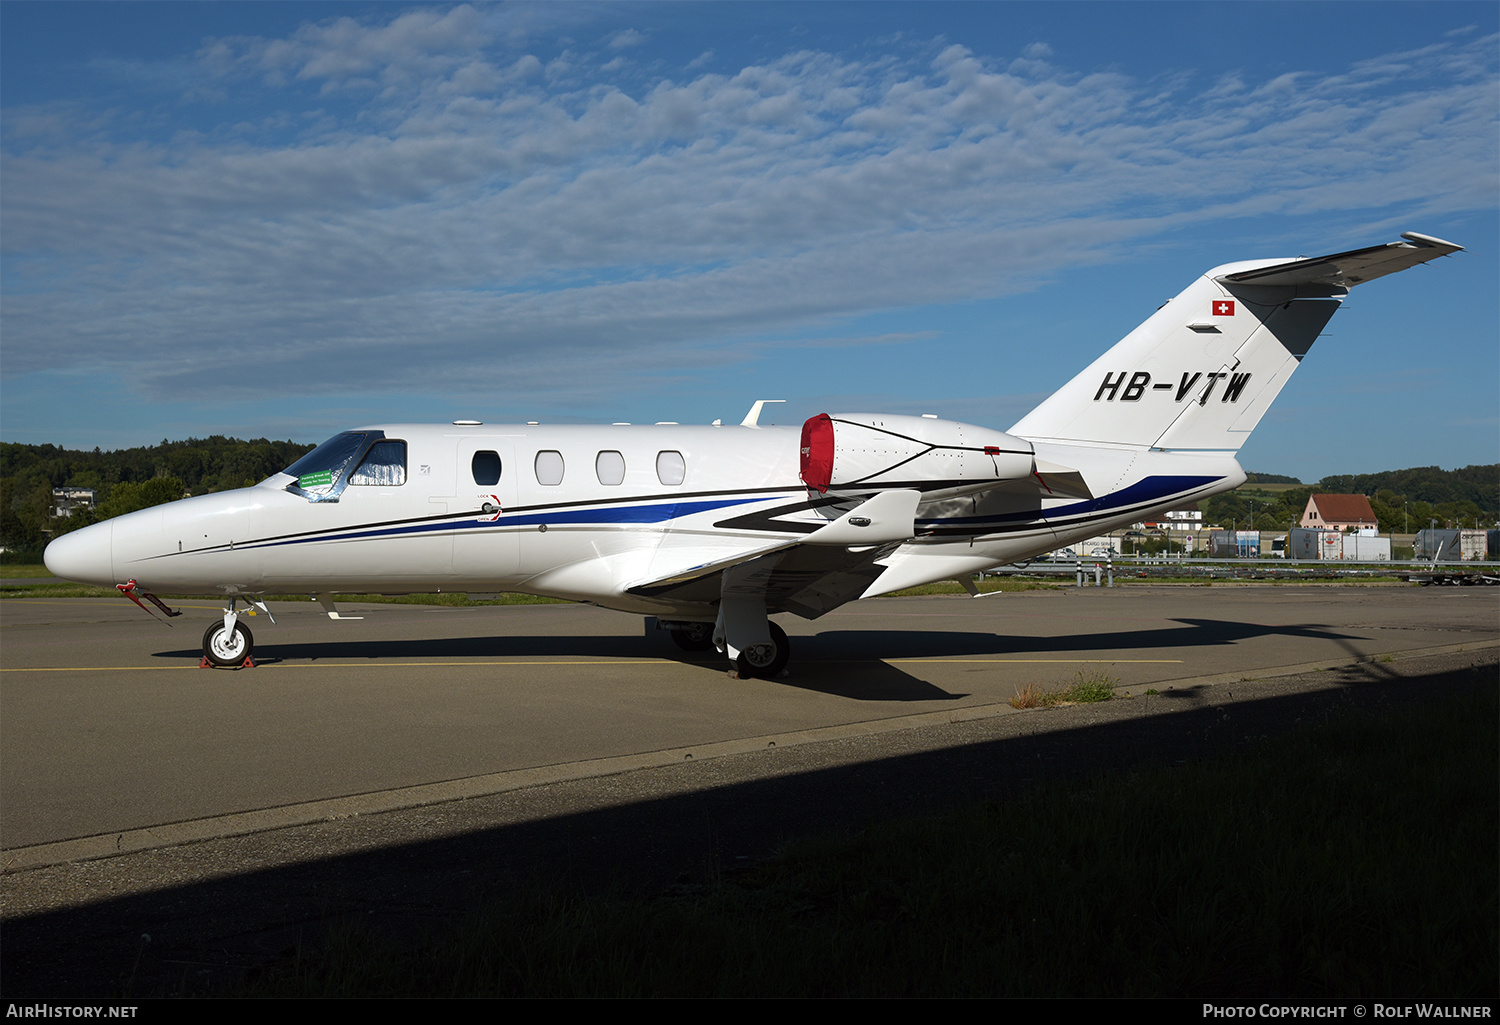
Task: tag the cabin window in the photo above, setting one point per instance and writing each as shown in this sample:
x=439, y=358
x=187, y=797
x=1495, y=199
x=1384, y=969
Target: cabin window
x=549, y=468
x=670, y=468
x=486, y=467
x=610, y=466
x=385, y=465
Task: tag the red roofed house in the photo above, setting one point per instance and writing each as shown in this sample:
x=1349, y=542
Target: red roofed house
x=1339, y=512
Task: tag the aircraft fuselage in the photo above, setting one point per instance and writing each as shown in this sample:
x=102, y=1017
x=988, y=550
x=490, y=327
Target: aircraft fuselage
x=580, y=512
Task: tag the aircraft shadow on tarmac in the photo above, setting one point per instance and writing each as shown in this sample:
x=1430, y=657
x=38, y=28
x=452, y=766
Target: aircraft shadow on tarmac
x=845, y=663
x=850, y=673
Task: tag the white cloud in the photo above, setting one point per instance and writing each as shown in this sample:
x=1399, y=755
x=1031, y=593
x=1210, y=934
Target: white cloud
x=419, y=42
x=467, y=225
x=624, y=39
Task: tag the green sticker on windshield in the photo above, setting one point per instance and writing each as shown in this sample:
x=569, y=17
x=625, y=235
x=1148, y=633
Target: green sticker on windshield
x=315, y=480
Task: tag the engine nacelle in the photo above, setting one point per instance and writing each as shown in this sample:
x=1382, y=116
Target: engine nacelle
x=857, y=450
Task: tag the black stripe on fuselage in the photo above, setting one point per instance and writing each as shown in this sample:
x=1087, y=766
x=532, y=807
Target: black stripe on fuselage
x=464, y=516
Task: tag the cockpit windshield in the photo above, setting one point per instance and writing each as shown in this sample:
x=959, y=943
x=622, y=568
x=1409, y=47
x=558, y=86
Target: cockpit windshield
x=322, y=474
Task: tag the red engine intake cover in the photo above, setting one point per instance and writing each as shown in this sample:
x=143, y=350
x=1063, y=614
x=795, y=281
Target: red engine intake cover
x=817, y=452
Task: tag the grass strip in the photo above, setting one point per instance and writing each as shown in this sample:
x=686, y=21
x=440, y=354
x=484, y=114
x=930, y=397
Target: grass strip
x=457, y=599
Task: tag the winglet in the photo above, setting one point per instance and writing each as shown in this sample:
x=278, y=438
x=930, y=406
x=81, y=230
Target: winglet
x=752, y=418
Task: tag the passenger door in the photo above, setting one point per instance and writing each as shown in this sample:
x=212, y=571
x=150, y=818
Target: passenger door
x=485, y=549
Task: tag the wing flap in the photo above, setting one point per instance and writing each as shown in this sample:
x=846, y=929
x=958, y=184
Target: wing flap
x=802, y=578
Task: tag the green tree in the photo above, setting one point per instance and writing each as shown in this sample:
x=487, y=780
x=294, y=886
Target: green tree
x=127, y=497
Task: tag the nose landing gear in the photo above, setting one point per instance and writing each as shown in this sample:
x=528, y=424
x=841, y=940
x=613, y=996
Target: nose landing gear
x=228, y=647
x=227, y=642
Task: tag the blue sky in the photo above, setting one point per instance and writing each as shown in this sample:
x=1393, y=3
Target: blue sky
x=284, y=219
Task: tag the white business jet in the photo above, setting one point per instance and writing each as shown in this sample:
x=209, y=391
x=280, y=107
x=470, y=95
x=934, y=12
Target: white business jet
x=714, y=529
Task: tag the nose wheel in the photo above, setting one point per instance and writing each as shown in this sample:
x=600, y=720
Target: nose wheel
x=223, y=647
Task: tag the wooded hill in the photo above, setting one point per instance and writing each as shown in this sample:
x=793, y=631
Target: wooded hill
x=123, y=481
x=1403, y=500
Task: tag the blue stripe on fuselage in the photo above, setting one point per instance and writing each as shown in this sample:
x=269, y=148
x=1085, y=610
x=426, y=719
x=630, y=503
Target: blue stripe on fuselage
x=1144, y=491
x=604, y=515
x=621, y=514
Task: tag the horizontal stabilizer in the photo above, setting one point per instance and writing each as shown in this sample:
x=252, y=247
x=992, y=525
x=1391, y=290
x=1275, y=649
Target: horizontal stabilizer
x=1057, y=479
x=1348, y=269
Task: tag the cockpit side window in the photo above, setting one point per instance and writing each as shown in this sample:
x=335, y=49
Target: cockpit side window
x=385, y=465
x=319, y=474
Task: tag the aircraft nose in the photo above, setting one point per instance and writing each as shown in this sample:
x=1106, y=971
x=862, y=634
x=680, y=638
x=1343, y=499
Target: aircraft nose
x=84, y=555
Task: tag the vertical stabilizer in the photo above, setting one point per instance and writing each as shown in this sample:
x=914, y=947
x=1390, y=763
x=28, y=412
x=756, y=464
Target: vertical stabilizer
x=1203, y=370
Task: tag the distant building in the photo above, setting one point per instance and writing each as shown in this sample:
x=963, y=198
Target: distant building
x=1310, y=543
x=65, y=500
x=1232, y=544
x=1339, y=512
x=1450, y=544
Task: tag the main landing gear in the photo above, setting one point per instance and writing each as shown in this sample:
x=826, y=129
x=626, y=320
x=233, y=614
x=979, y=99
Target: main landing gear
x=765, y=661
x=693, y=636
x=759, y=654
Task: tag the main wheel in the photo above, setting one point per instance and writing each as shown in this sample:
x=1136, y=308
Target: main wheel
x=223, y=648
x=698, y=637
x=765, y=660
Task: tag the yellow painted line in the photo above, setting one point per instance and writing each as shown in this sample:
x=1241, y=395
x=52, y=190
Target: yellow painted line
x=69, y=602
x=349, y=665
x=86, y=669
x=1065, y=661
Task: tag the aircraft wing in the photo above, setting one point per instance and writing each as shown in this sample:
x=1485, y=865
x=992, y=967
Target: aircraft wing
x=803, y=578
x=811, y=575
x=838, y=561
x=1351, y=268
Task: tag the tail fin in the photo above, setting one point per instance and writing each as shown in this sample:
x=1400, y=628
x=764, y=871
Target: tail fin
x=1203, y=370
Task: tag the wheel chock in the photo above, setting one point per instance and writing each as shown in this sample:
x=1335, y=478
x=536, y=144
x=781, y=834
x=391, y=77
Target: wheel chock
x=249, y=663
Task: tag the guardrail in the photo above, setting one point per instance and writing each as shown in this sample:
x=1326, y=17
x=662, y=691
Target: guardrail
x=1102, y=569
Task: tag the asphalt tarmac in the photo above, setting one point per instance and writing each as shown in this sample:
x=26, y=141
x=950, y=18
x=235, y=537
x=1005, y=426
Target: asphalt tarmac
x=108, y=727
x=522, y=735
